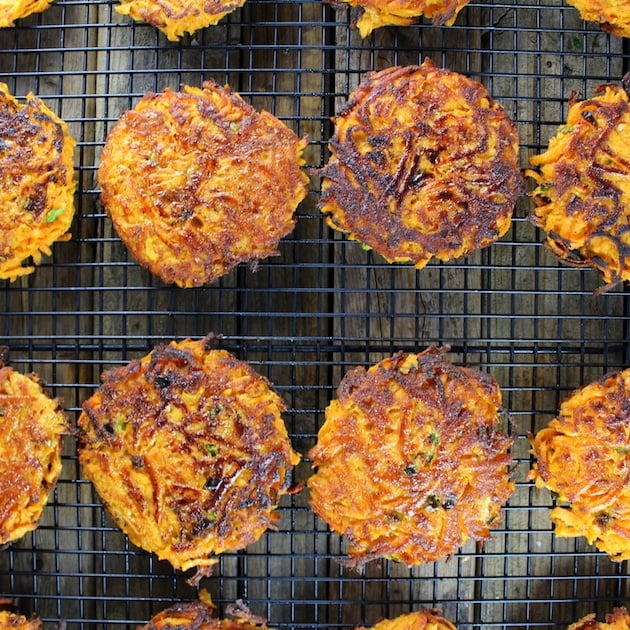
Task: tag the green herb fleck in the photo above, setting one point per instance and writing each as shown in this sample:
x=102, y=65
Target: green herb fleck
x=566, y=129
x=434, y=438
x=1, y=412
x=433, y=502
x=53, y=214
x=121, y=425
x=234, y=126
x=212, y=449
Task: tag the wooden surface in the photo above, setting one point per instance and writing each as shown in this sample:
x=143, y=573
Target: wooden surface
x=305, y=317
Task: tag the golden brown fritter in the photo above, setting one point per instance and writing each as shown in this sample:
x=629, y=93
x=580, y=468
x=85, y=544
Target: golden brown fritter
x=377, y=13
x=612, y=16
x=583, y=192
x=32, y=426
x=15, y=621
x=617, y=620
x=423, y=164
x=411, y=462
x=175, y=18
x=583, y=456
x=198, y=181
x=188, y=451
x=11, y=10
x=36, y=182
x=419, y=620
x=198, y=616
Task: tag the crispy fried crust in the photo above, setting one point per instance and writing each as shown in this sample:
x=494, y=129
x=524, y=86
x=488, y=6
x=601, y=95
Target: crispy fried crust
x=198, y=181
x=188, y=451
x=419, y=620
x=15, y=621
x=583, y=185
x=423, y=164
x=613, y=16
x=32, y=426
x=11, y=10
x=36, y=182
x=410, y=460
x=198, y=616
x=617, y=620
x=377, y=13
x=583, y=456
x=175, y=18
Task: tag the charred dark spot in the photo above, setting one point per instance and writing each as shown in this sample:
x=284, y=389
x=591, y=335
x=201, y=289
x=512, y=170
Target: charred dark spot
x=212, y=483
x=137, y=462
x=410, y=470
x=589, y=117
x=162, y=381
x=449, y=504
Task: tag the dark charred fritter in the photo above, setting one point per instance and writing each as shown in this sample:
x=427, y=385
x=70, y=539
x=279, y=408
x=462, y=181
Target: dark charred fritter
x=424, y=164
x=11, y=10
x=612, y=16
x=175, y=18
x=618, y=619
x=419, y=620
x=411, y=462
x=36, y=183
x=583, y=192
x=188, y=451
x=198, y=616
x=32, y=426
x=583, y=456
x=198, y=181
x=377, y=13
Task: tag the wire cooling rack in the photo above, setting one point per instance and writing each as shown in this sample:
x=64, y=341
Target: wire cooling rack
x=303, y=318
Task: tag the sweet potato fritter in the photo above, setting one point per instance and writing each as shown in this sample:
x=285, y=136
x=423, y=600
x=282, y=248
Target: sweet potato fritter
x=188, y=451
x=32, y=426
x=423, y=164
x=377, y=13
x=583, y=456
x=175, y=18
x=410, y=461
x=198, y=616
x=419, y=620
x=617, y=620
x=583, y=192
x=612, y=16
x=198, y=181
x=36, y=182
x=15, y=621
x=11, y=10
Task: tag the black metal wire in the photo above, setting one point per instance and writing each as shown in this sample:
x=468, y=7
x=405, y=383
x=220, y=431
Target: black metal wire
x=320, y=308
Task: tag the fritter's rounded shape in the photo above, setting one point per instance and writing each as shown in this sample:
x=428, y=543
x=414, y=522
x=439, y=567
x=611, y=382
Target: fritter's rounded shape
x=15, y=621
x=377, y=13
x=612, y=16
x=419, y=620
x=198, y=616
x=583, y=193
x=583, y=456
x=423, y=164
x=175, y=18
x=36, y=182
x=198, y=181
x=411, y=462
x=188, y=451
x=617, y=620
x=32, y=426
x=11, y=10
